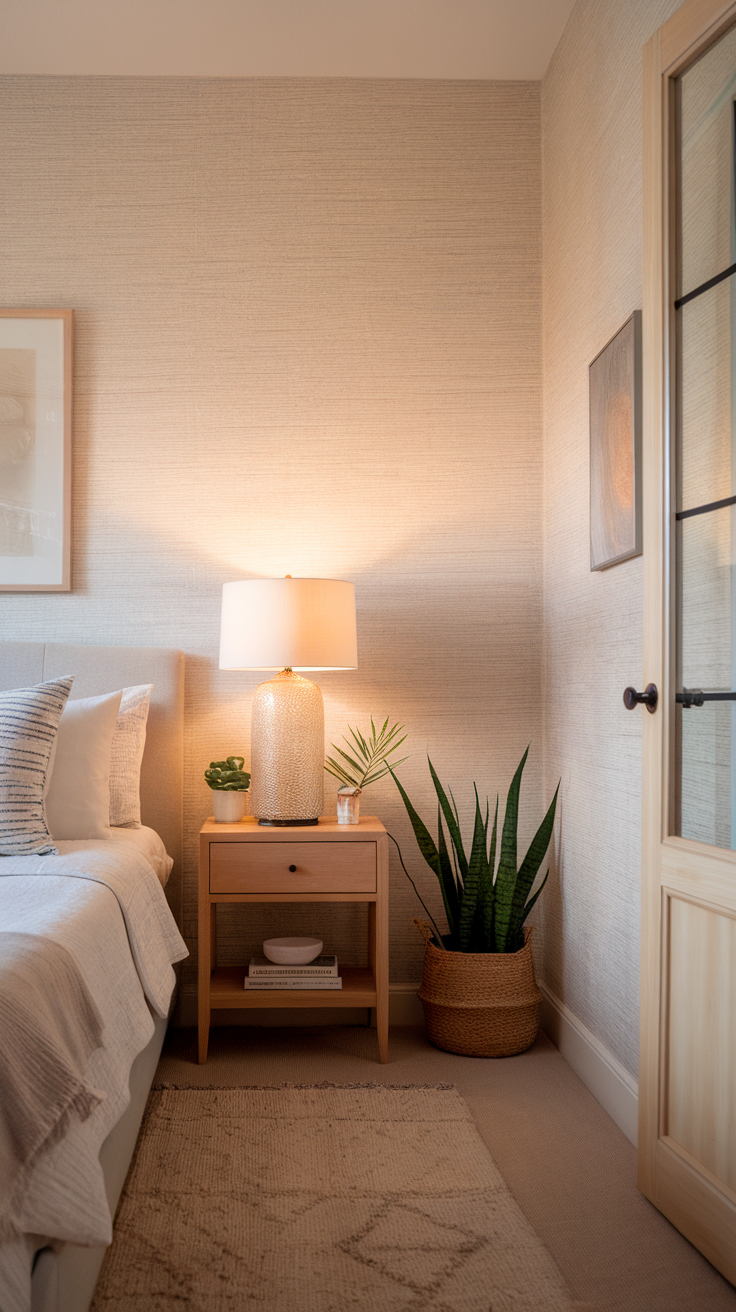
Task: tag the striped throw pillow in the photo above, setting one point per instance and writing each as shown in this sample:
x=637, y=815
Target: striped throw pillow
x=29, y=719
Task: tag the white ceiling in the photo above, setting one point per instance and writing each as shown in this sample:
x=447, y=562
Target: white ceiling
x=283, y=38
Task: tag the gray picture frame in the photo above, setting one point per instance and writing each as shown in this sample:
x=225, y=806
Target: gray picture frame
x=614, y=380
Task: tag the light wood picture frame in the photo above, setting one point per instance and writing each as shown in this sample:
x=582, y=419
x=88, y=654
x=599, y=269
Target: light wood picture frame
x=615, y=448
x=35, y=450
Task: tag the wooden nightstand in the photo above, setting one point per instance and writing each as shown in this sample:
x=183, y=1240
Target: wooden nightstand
x=248, y=862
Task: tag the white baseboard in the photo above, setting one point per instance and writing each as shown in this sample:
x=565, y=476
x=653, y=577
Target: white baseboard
x=609, y=1082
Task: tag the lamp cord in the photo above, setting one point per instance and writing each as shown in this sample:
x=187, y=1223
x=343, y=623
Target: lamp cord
x=438, y=936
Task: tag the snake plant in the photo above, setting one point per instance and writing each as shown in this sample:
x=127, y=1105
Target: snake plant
x=372, y=753
x=228, y=775
x=486, y=907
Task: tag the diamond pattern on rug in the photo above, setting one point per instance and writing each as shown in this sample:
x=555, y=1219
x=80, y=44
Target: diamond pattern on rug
x=411, y=1248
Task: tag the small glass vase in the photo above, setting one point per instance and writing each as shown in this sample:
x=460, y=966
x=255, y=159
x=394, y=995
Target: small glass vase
x=348, y=806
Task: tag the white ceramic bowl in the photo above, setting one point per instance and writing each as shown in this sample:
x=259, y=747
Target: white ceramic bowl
x=292, y=951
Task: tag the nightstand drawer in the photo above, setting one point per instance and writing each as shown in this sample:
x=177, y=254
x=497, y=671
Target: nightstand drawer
x=293, y=867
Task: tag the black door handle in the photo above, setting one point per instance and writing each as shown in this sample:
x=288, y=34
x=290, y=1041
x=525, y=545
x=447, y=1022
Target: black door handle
x=646, y=698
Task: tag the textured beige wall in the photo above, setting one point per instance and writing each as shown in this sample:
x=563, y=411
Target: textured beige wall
x=592, y=220
x=307, y=342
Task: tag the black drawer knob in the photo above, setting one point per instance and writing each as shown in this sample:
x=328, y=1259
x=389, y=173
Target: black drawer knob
x=292, y=869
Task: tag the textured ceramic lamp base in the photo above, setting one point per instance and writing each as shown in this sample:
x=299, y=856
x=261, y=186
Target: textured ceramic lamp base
x=287, y=751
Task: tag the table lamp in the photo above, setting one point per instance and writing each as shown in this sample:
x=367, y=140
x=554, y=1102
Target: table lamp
x=288, y=625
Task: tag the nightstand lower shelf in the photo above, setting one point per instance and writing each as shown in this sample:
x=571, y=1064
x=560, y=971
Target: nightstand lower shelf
x=226, y=990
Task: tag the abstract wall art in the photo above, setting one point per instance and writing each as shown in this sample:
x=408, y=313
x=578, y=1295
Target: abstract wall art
x=35, y=450
x=615, y=448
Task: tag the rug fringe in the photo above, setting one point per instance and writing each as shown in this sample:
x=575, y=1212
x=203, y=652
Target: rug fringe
x=325, y=1084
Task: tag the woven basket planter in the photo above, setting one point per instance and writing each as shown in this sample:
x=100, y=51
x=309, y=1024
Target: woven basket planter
x=480, y=1004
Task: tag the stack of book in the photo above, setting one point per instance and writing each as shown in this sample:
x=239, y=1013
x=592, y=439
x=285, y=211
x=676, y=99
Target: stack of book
x=319, y=974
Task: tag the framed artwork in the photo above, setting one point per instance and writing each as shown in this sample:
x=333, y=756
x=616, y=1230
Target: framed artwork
x=615, y=448
x=35, y=450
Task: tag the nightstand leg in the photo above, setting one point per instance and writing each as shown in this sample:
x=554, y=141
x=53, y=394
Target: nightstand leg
x=381, y=932
x=207, y=925
x=204, y=1036
x=372, y=955
x=379, y=961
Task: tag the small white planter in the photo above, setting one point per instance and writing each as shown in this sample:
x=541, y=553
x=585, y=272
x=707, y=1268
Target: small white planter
x=228, y=805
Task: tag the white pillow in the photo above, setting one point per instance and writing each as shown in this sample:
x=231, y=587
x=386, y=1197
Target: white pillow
x=78, y=798
x=128, y=743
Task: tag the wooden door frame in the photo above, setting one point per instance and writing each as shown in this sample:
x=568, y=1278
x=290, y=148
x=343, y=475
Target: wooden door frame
x=695, y=26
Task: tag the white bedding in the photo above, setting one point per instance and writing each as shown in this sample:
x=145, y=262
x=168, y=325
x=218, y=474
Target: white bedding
x=102, y=902
x=154, y=938
x=150, y=844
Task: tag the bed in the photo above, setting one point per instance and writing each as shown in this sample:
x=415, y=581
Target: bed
x=103, y=904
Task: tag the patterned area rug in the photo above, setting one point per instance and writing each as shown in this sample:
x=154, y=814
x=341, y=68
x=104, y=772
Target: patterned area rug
x=368, y=1199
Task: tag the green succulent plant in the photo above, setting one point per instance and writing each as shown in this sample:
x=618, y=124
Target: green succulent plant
x=228, y=775
x=486, y=907
x=372, y=755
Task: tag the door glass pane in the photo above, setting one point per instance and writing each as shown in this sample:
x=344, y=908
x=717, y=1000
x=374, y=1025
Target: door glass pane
x=707, y=94
x=706, y=774
x=705, y=464
x=706, y=573
x=705, y=397
x=705, y=605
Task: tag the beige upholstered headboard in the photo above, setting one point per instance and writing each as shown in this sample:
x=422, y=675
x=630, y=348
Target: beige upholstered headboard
x=98, y=670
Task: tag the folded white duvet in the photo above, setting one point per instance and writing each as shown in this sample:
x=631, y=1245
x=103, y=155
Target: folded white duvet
x=102, y=902
x=155, y=940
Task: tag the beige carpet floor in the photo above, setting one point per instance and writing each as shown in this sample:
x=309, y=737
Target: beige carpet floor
x=569, y=1167
x=319, y=1200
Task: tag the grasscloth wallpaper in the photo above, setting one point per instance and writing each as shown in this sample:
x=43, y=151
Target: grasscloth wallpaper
x=592, y=223
x=307, y=342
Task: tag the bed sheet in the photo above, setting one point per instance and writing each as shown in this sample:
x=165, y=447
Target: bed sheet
x=104, y=904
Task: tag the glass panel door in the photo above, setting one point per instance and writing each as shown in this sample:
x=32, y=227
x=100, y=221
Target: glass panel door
x=705, y=464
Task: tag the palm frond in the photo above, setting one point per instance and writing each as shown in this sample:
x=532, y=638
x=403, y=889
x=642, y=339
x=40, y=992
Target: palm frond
x=367, y=758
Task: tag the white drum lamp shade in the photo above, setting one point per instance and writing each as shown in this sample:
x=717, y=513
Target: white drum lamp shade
x=288, y=625
x=297, y=624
